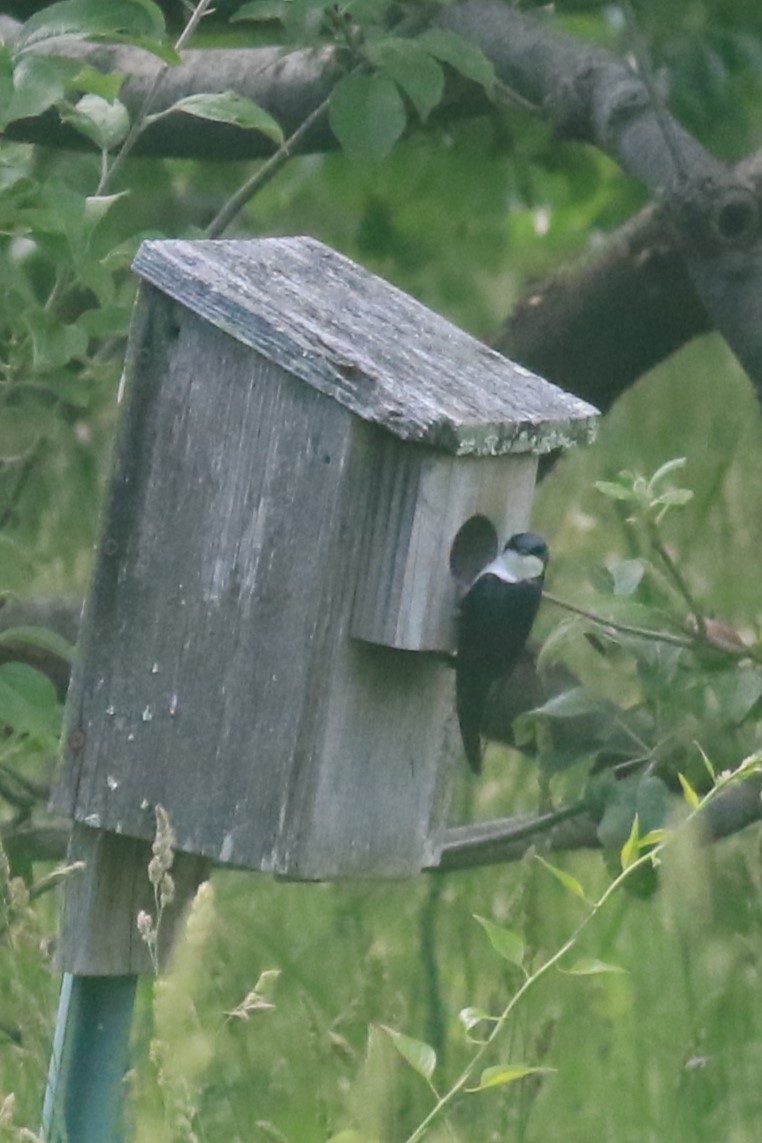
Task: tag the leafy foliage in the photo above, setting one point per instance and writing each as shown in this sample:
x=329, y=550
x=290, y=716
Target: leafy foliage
x=666, y=696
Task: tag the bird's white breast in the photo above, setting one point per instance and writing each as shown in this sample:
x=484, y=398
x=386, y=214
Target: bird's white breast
x=513, y=567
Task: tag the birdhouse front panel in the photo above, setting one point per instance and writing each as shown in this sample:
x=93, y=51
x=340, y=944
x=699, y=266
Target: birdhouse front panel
x=419, y=502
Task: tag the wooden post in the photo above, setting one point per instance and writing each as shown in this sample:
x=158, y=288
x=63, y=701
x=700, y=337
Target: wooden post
x=102, y=954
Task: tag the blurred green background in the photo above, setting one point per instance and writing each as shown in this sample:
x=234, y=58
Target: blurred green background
x=462, y=216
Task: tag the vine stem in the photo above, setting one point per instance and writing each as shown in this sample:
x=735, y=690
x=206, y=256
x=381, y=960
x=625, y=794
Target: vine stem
x=529, y=982
x=748, y=767
x=702, y=637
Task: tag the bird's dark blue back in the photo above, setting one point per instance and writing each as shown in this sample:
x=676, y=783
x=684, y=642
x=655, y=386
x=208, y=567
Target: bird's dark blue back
x=495, y=623
x=496, y=616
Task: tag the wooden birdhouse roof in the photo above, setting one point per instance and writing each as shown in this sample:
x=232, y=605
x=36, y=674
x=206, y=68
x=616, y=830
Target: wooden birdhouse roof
x=380, y=353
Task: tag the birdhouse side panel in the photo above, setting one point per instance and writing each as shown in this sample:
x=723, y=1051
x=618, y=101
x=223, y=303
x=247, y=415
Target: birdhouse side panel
x=406, y=596
x=193, y=687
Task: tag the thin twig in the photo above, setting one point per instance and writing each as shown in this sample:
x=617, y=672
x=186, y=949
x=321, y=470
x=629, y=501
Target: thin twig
x=677, y=578
x=11, y=504
x=138, y=124
x=265, y=173
x=506, y=96
x=625, y=628
x=462, y=839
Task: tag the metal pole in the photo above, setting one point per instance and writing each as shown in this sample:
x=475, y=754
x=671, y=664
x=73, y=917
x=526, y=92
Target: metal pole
x=84, y=1097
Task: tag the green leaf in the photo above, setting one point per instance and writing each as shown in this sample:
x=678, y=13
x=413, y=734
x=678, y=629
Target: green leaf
x=653, y=837
x=53, y=344
x=28, y=701
x=84, y=19
x=470, y=1017
x=566, y=879
x=643, y=795
x=105, y=321
x=40, y=637
x=738, y=691
x=419, y=1055
x=616, y=491
x=631, y=848
x=508, y=1073
x=6, y=82
x=665, y=470
x=564, y=635
x=504, y=941
x=267, y=982
x=98, y=205
x=367, y=116
x=674, y=497
x=573, y=703
x=627, y=575
x=39, y=82
x=90, y=80
x=20, y=430
x=590, y=966
x=690, y=795
x=226, y=107
x=410, y=66
x=104, y=122
x=461, y=54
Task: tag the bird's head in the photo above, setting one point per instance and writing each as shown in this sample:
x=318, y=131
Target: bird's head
x=524, y=557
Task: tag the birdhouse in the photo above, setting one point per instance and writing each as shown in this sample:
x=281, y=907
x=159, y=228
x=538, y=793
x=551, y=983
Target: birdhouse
x=309, y=463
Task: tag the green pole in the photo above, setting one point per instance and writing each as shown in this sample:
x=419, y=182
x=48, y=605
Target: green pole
x=84, y=1097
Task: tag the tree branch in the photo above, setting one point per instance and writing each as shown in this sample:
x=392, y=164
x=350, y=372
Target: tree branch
x=508, y=839
x=596, y=326
x=643, y=297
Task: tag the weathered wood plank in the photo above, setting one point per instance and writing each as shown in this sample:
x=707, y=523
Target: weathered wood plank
x=99, y=933
x=191, y=685
x=374, y=349
x=405, y=595
x=215, y=675
x=379, y=796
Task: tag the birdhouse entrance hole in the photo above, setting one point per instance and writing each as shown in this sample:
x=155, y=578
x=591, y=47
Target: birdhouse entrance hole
x=474, y=546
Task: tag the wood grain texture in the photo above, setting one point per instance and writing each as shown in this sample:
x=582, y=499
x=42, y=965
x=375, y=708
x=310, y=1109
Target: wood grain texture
x=99, y=934
x=405, y=595
x=215, y=673
x=201, y=626
x=372, y=348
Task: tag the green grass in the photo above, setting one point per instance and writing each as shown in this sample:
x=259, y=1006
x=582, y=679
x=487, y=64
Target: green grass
x=669, y=1051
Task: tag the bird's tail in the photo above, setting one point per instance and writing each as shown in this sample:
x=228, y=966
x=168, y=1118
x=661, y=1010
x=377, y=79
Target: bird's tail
x=471, y=699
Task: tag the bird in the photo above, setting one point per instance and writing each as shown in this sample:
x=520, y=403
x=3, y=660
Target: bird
x=495, y=617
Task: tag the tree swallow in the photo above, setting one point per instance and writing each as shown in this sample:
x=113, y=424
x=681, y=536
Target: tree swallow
x=496, y=616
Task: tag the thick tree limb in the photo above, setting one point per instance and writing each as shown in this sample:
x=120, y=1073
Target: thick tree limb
x=597, y=326
x=508, y=839
x=637, y=289
x=287, y=84
x=596, y=97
